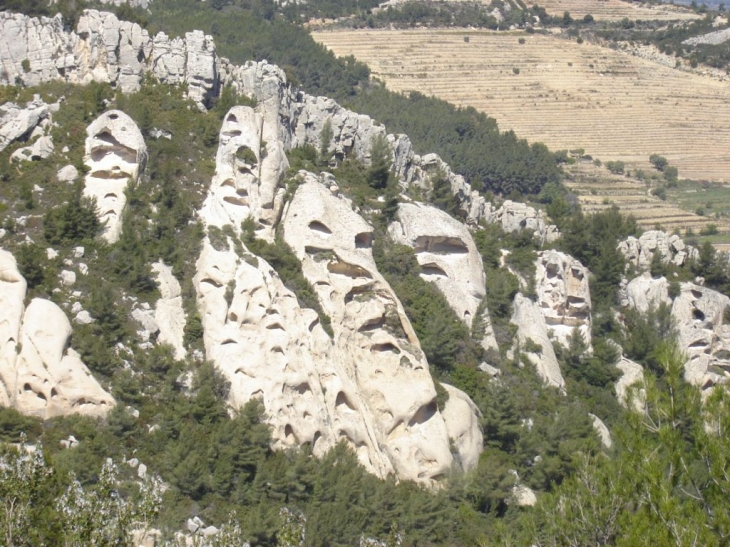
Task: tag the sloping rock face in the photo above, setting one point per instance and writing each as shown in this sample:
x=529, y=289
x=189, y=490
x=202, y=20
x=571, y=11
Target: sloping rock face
x=115, y=155
x=447, y=255
x=369, y=386
x=699, y=314
x=631, y=374
x=671, y=248
x=532, y=329
x=462, y=423
x=373, y=339
x=563, y=295
x=39, y=374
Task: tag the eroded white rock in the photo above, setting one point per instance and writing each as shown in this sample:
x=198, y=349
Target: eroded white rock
x=169, y=314
x=446, y=253
x=534, y=341
x=462, y=423
x=115, y=155
x=563, y=295
x=640, y=251
x=632, y=376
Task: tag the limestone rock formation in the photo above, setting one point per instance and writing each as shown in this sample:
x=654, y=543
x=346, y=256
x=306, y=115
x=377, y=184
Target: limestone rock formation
x=39, y=150
x=602, y=431
x=446, y=253
x=115, y=155
x=247, y=179
x=698, y=313
x=534, y=341
x=169, y=313
x=462, y=424
x=104, y=49
x=644, y=292
x=563, y=295
x=377, y=346
x=17, y=122
x=632, y=374
x=671, y=248
x=39, y=374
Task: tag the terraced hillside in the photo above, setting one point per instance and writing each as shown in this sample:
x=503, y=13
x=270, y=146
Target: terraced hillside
x=598, y=189
x=616, y=10
x=614, y=105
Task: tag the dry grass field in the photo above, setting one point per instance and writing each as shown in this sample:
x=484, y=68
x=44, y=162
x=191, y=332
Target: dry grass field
x=615, y=10
x=614, y=105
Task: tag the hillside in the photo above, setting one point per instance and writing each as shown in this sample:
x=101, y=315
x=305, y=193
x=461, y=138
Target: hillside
x=616, y=10
x=614, y=105
x=237, y=312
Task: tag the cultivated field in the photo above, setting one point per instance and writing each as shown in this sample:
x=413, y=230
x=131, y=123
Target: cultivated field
x=616, y=10
x=598, y=189
x=614, y=105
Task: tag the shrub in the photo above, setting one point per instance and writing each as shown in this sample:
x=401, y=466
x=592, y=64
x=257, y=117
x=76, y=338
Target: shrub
x=616, y=167
x=515, y=70
x=709, y=230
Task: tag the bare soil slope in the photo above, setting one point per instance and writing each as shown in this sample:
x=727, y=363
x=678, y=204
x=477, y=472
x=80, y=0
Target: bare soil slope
x=614, y=105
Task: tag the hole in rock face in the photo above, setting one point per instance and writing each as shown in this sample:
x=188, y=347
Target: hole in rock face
x=372, y=324
x=228, y=342
x=235, y=200
x=350, y=270
x=424, y=414
x=440, y=245
x=140, y=56
x=342, y=402
x=317, y=226
x=384, y=347
x=289, y=433
x=433, y=269
x=231, y=118
x=364, y=240
x=113, y=116
x=54, y=393
x=697, y=314
x=317, y=436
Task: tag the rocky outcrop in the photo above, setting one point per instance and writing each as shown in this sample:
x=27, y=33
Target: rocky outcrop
x=699, y=316
x=169, y=313
x=104, y=49
x=377, y=347
x=17, y=122
x=462, y=424
x=534, y=341
x=645, y=292
x=39, y=150
x=632, y=374
x=115, y=155
x=563, y=296
x=316, y=390
x=602, y=431
x=248, y=175
x=671, y=249
x=39, y=374
x=446, y=253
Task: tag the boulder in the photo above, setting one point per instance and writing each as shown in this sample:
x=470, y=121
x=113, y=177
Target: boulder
x=602, y=431
x=644, y=292
x=17, y=122
x=632, y=374
x=67, y=174
x=39, y=150
x=115, y=155
x=640, y=251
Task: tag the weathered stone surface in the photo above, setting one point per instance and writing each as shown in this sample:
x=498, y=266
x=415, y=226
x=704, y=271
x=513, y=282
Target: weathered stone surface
x=115, y=155
x=67, y=174
x=645, y=292
x=39, y=150
x=247, y=179
x=631, y=374
x=671, y=248
x=532, y=329
x=602, y=431
x=447, y=255
x=563, y=295
x=462, y=424
x=39, y=374
x=17, y=122
x=169, y=313
x=698, y=313
x=371, y=332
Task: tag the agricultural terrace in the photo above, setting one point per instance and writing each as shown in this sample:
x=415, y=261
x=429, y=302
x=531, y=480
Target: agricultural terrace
x=614, y=105
x=616, y=10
